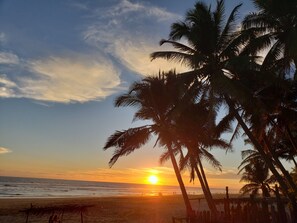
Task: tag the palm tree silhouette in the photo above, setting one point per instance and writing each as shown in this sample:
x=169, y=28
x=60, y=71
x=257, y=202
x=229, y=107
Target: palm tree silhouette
x=155, y=99
x=216, y=54
x=255, y=173
x=274, y=25
x=195, y=131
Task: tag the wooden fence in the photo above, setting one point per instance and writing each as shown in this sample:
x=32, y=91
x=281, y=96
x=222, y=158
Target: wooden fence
x=246, y=210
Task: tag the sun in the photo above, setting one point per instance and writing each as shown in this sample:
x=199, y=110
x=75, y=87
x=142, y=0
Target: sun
x=153, y=179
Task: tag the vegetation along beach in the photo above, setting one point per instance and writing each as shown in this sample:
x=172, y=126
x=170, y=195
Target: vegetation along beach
x=148, y=111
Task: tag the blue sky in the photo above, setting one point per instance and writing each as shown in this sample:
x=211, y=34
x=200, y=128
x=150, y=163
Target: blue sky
x=62, y=63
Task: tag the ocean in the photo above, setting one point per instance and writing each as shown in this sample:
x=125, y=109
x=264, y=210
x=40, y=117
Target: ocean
x=12, y=187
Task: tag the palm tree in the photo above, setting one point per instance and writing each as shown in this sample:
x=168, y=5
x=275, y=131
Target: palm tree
x=219, y=62
x=195, y=131
x=274, y=25
x=155, y=99
x=255, y=173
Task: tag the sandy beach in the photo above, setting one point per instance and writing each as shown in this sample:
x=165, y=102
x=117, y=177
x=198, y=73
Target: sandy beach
x=156, y=209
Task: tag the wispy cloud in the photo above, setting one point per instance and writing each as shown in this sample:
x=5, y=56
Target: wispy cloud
x=4, y=150
x=6, y=87
x=70, y=79
x=79, y=5
x=8, y=58
x=63, y=79
x=122, y=31
x=125, y=7
x=135, y=55
x=112, y=33
x=230, y=173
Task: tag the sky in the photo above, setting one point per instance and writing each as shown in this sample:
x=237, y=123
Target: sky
x=62, y=64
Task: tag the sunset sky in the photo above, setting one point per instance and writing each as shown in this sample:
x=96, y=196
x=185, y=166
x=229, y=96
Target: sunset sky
x=62, y=63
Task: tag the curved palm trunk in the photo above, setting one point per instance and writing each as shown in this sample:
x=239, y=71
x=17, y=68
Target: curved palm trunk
x=263, y=154
x=280, y=166
x=211, y=201
x=291, y=137
x=207, y=194
x=204, y=177
x=180, y=182
x=294, y=161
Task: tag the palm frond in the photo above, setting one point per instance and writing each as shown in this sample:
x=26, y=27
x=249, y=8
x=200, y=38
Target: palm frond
x=224, y=125
x=178, y=30
x=179, y=57
x=273, y=54
x=250, y=188
x=179, y=46
x=219, y=15
x=164, y=157
x=211, y=159
x=127, y=141
x=229, y=28
x=236, y=133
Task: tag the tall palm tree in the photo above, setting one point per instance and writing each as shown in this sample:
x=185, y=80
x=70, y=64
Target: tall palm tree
x=214, y=50
x=155, y=99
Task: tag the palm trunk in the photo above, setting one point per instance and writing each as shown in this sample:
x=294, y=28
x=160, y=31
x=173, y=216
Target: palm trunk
x=206, y=183
x=295, y=75
x=263, y=154
x=180, y=182
x=291, y=138
x=280, y=166
x=204, y=176
x=207, y=194
x=294, y=161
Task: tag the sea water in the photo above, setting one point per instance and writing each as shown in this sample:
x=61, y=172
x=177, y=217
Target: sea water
x=36, y=187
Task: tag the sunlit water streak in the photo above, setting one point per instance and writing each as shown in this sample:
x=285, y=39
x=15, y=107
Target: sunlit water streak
x=36, y=187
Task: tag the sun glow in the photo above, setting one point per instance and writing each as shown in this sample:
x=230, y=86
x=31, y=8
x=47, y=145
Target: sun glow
x=153, y=179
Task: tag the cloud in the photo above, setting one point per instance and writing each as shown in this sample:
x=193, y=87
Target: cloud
x=231, y=173
x=4, y=150
x=70, y=79
x=126, y=7
x=63, y=79
x=8, y=58
x=6, y=87
x=135, y=55
x=122, y=31
x=79, y=5
x=112, y=33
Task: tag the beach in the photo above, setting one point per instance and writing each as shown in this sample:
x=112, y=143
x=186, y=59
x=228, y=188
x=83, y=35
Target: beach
x=143, y=209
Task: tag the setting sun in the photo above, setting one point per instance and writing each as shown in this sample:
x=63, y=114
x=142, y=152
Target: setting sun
x=153, y=179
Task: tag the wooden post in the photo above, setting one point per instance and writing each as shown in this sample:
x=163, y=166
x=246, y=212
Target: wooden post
x=227, y=205
x=265, y=211
x=27, y=217
x=280, y=206
x=81, y=217
x=62, y=216
x=28, y=212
